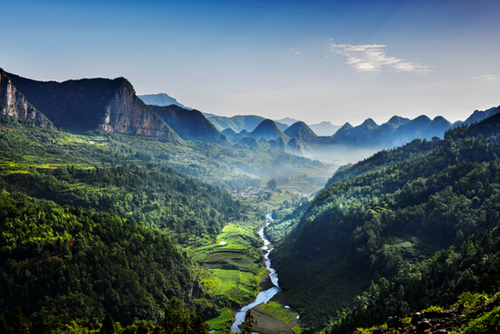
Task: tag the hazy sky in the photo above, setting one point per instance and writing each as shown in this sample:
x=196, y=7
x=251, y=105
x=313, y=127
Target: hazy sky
x=312, y=60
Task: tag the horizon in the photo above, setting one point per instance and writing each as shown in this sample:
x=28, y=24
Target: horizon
x=314, y=62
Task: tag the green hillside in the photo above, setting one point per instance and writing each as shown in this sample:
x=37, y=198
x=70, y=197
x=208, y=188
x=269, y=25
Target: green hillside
x=381, y=215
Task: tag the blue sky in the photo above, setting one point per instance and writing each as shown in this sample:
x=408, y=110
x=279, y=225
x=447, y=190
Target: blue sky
x=311, y=60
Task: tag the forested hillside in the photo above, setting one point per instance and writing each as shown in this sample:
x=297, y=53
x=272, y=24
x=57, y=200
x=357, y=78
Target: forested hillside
x=388, y=213
x=85, y=234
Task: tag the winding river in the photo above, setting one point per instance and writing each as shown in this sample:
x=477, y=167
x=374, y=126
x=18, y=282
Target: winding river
x=264, y=296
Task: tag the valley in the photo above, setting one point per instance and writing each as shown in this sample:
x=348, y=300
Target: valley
x=149, y=219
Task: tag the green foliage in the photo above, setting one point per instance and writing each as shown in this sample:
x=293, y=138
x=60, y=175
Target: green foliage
x=488, y=323
x=389, y=218
x=277, y=311
x=272, y=184
x=60, y=261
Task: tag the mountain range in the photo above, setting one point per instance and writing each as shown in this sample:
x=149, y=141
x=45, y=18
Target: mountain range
x=112, y=105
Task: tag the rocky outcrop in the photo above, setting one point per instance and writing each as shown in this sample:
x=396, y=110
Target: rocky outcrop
x=433, y=322
x=126, y=113
x=13, y=103
x=94, y=104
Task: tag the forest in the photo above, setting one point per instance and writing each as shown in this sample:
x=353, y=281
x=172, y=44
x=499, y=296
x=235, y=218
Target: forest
x=400, y=231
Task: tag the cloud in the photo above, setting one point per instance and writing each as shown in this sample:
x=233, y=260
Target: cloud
x=488, y=78
x=371, y=58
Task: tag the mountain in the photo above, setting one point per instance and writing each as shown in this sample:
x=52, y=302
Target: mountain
x=363, y=134
x=268, y=130
x=398, y=120
x=396, y=131
x=13, y=103
x=324, y=128
x=94, y=104
x=295, y=146
x=399, y=222
x=478, y=116
x=487, y=128
x=421, y=127
x=189, y=124
x=287, y=120
x=161, y=100
x=229, y=133
x=239, y=123
x=300, y=130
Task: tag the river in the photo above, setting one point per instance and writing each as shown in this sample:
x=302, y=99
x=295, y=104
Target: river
x=264, y=296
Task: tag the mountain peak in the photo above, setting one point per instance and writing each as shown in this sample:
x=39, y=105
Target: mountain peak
x=369, y=122
x=398, y=120
x=300, y=130
x=268, y=130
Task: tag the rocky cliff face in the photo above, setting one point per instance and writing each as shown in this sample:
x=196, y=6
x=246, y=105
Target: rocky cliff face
x=13, y=103
x=126, y=113
x=89, y=104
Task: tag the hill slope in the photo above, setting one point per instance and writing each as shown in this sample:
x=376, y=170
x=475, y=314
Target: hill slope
x=375, y=221
x=189, y=124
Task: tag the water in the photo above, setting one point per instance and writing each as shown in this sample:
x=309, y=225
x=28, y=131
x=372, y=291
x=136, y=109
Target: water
x=264, y=296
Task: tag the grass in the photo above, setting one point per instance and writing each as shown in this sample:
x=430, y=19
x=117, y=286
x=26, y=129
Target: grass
x=220, y=324
x=278, y=311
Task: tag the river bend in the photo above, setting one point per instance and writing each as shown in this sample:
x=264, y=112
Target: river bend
x=264, y=296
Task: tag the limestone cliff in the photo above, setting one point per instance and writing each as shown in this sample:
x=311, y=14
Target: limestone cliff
x=90, y=104
x=13, y=103
x=126, y=113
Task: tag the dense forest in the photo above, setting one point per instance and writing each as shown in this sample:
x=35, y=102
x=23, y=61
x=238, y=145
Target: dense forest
x=85, y=234
x=391, y=213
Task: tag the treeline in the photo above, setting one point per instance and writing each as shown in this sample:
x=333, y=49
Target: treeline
x=375, y=224
x=66, y=263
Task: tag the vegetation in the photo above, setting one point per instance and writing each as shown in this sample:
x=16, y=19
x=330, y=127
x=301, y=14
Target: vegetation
x=378, y=218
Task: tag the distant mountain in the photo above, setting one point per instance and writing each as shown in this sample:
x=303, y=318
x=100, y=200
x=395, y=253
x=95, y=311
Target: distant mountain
x=295, y=146
x=421, y=127
x=13, y=103
x=161, y=100
x=229, y=133
x=324, y=128
x=287, y=120
x=268, y=130
x=488, y=127
x=366, y=134
x=478, y=116
x=397, y=131
x=242, y=122
x=300, y=130
x=208, y=115
x=104, y=104
x=190, y=124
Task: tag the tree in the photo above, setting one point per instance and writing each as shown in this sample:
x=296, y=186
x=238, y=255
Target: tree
x=108, y=326
x=177, y=317
x=247, y=325
x=272, y=184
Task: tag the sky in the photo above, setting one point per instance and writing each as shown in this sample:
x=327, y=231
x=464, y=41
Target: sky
x=337, y=61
